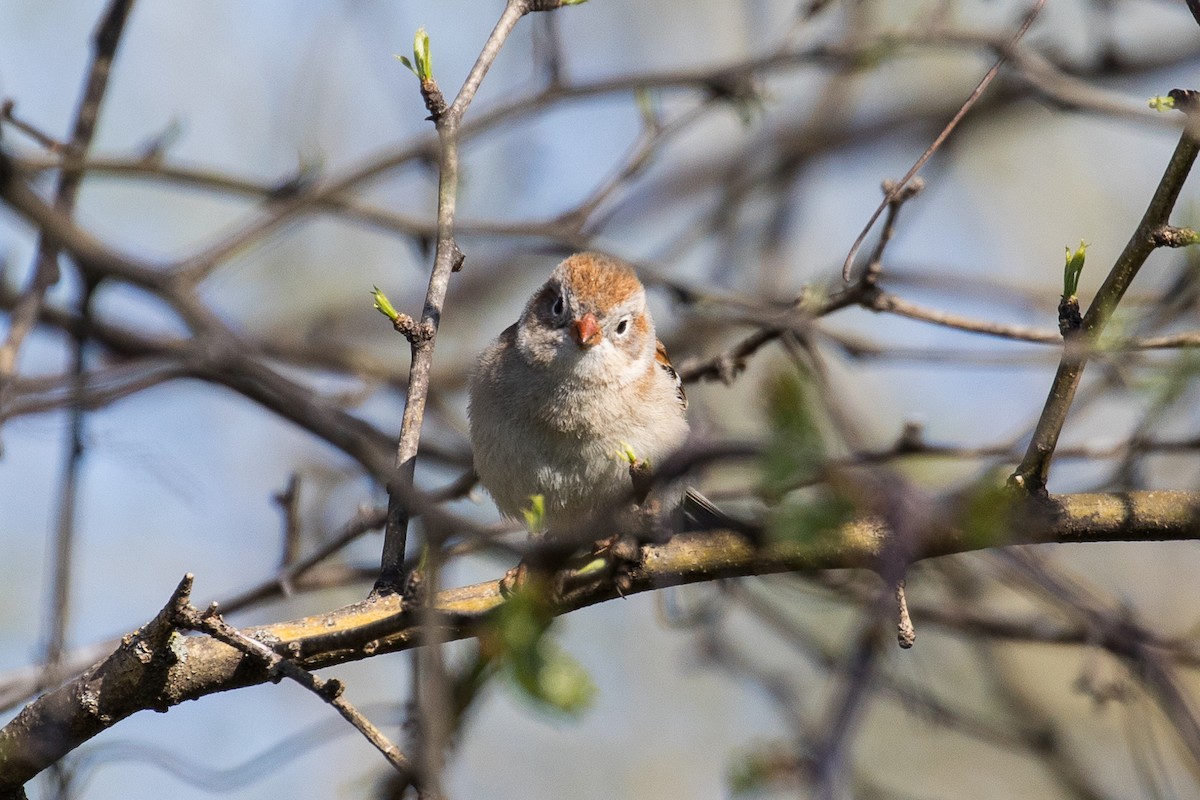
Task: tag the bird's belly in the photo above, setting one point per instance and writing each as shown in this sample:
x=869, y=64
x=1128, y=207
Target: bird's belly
x=576, y=474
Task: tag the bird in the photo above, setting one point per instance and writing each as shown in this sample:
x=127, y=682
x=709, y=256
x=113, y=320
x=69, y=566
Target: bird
x=562, y=399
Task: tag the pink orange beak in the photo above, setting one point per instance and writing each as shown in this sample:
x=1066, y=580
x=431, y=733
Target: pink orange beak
x=586, y=330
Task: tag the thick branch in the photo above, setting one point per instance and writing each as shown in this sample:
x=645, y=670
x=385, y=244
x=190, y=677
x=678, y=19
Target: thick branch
x=156, y=670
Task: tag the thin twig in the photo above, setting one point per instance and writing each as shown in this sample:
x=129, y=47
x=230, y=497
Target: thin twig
x=64, y=528
x=330, y=690
x=44, y=139
x=971, y=100
x=885, y=301
x=45, y=275
x=448, y=258
x=1117, y=632
x=829, y=761
x=1034, y=469
x=331, y=195
x=24, y=315
x=288, y=501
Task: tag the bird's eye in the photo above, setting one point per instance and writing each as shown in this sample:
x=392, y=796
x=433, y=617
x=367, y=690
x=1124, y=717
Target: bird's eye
x=622, y=326
x=558, y=307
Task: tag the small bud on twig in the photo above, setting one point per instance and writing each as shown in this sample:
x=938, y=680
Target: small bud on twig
x=1161, y=102
x=1069, y=317
x=906, y=634
x=405, y=325
x=1170, y=236
x=421, y=65
x=535, y=515
x=1073, y=269
x=383, y=305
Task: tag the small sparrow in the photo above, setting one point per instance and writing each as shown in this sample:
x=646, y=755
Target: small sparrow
x=561, y=397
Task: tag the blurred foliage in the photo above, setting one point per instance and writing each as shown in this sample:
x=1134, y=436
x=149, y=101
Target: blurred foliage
x=535, y=514
x=795, y=452
x=796, y=457
x=761, y=770
x=1161, y=103
x=986, y=510
x=517, y=644
x=811, y=520
x=1167, y=386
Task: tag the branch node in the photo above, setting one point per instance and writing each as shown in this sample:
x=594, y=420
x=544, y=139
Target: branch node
x=172, y=616
x=1070, y=320
x=417, y=333
x=906, y=634
x=7, y=113
x=435, y=101
x=728, y=368
x=1186, y=100
x=911, y=439
x=899, y=196
x=330, y=690
x=414, y=592
x=1171, y=236
x=183, y=591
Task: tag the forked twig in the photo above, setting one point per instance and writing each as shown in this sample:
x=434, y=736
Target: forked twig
x=971, y=100
x=1034, y=470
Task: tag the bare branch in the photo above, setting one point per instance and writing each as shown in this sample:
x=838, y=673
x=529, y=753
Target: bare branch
x=971, y=100
x=159, y=671
x=448, y=258
x=1034, y=470
x=104, y=49
x=329, y=690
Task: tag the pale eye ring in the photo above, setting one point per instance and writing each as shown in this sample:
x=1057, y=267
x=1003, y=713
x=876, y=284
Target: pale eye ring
x=622, y=326
x=558, y=307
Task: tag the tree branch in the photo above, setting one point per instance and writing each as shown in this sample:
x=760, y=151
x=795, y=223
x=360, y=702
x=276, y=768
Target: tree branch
x=24, y=315
x=448, y=258
x=155, y=668
x=330, y=690
x=1034, y=469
